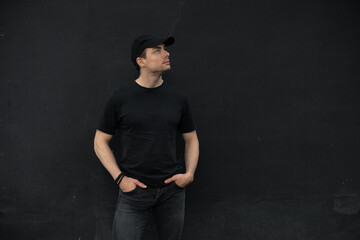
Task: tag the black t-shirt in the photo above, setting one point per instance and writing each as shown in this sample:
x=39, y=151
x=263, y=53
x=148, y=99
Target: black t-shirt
x=147, y=120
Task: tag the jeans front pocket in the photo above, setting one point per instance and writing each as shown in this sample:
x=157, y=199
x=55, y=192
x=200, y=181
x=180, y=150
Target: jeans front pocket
x=130, y=192
x=177, y=186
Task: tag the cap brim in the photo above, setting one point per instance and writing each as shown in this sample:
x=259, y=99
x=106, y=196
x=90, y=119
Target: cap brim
x=168, y=41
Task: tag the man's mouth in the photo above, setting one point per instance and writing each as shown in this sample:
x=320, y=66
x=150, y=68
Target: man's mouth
x=167, y=62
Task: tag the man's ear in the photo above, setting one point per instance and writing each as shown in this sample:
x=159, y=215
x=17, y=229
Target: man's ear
x=139, y=61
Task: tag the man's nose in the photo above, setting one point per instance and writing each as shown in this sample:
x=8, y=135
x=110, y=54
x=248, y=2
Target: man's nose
x=167, y=54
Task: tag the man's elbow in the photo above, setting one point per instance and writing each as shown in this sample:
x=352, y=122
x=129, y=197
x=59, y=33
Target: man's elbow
x=96, y=145
x=100, y=142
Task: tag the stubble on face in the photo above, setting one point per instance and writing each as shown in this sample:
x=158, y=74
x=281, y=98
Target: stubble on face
x=157, y=58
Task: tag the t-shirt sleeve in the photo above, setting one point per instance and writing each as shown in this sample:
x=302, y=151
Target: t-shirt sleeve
x=186, y=123
x=108, y=122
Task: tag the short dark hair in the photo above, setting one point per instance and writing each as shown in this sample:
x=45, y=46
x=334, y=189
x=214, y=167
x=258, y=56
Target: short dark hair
x=143, y=54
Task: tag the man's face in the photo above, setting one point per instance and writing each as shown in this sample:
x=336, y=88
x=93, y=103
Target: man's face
x=157, y=59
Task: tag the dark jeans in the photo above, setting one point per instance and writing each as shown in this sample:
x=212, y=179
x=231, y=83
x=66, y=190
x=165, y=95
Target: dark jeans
x=134, y=208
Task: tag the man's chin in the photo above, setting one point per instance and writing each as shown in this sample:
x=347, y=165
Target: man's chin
x=167, y=68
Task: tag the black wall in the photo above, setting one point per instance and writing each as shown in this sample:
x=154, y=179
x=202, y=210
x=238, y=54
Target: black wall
x=274, y=87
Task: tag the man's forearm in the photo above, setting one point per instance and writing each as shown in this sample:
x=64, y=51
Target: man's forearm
x=107, y=159
x=191, y=156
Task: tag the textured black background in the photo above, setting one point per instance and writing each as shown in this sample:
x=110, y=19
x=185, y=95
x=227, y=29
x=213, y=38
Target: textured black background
x=274, y=87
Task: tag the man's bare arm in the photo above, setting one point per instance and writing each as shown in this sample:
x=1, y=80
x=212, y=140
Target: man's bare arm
x=107, y=158
x=104, y=153
x=191, y=153
x=191, y=160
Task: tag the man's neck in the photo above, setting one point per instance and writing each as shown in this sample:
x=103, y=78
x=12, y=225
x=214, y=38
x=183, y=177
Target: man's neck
x=149, y=80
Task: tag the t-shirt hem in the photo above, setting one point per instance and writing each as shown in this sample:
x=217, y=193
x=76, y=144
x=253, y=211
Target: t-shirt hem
x=105, y=131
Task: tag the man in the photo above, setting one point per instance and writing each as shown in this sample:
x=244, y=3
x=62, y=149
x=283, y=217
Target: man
x=147, y=113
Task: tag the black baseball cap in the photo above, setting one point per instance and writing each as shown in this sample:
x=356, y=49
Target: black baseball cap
x=146, y=41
